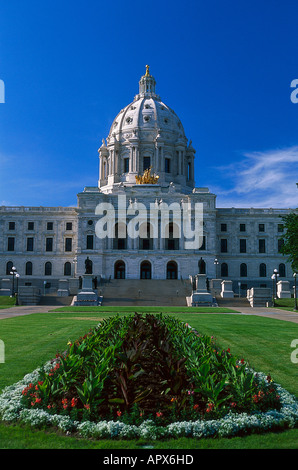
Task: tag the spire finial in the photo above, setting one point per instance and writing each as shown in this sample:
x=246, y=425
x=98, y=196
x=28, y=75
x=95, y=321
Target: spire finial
x=147, y=71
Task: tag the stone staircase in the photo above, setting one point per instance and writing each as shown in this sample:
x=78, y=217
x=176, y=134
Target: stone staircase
x=55, y=300
x=145, y=292
x=235, y=302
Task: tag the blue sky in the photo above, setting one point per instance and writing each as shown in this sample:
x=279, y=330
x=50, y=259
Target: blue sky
x=225, y=67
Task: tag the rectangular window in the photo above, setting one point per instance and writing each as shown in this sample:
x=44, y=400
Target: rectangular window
x=280, y=227
x=223, y=245
x=242, y=228
x=11, y=226
x=89, y=242
x=10, y=244
x=30, y=225
x=261, y=227
x=242, y=245
x=203, y=246
x=126, y=165
x=280, y=243
x=262, y=246
x=223, y=227
x=49, y=225
x=167, y=165
x=146, y=163
x=68, y=244
x=188, y=171
x=68, y=225
x=49, y=244
x=30, y=242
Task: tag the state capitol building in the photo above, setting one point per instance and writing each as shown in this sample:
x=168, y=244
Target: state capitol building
x=147, y=160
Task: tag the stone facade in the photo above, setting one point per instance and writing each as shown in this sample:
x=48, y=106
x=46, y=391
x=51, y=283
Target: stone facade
x=47, y=244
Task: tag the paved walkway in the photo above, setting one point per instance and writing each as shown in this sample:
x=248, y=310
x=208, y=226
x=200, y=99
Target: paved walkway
x=278, y=314
x=24, y=310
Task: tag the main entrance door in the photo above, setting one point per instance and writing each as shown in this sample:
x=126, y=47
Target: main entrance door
x=172, y=271
x=145, y=270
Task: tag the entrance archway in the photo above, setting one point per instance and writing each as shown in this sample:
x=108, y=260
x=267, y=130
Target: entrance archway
x=172, y=270
x=145, y=272
x=119, y=270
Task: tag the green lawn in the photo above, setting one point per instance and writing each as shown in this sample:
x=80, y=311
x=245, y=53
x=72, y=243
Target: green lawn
x=33, y=339
x=6, y=301
x=286, y=304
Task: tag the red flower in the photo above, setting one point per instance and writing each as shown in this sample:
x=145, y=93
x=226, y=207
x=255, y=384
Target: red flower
x=119, y=413
x=210, y=407
x=159, y=414
x=74, y=402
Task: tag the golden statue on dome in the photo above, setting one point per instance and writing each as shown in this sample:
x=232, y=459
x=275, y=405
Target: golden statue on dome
x=147, y=178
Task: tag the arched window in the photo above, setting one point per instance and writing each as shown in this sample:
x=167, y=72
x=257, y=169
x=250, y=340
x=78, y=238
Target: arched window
x=29, y=268
x=9, y=265
x=263, y=270
x=202, y=266
x=224, y=270
x=48, y=268
x=172, y=270
x=282, y=270
x=145, y=271
x=119, y=270
x=67, y=269
x=243, y=270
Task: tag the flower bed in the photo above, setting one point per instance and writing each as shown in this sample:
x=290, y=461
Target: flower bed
x=106, y=384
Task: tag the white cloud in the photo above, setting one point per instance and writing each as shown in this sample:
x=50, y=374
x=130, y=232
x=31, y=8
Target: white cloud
x=262, y=179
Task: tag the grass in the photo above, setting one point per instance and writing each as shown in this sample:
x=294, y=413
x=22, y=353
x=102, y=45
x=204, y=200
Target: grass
x=33, y=339
x=285, y=304
x=6, y=301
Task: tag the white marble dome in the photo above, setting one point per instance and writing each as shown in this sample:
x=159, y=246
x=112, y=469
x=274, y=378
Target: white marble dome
x=146, y=132
x=147, y=113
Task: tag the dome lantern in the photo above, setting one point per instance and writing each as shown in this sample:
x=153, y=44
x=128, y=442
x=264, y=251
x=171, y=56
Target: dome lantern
x=147, y=83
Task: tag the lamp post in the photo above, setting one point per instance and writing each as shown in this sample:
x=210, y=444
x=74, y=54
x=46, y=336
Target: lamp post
x=216, y=263
x=274, y=277
x=13, y=273
x=295, y=292
x=17, y=292
x=239, y=285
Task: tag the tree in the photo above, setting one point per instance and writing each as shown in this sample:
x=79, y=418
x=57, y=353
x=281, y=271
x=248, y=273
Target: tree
x=290, y=239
